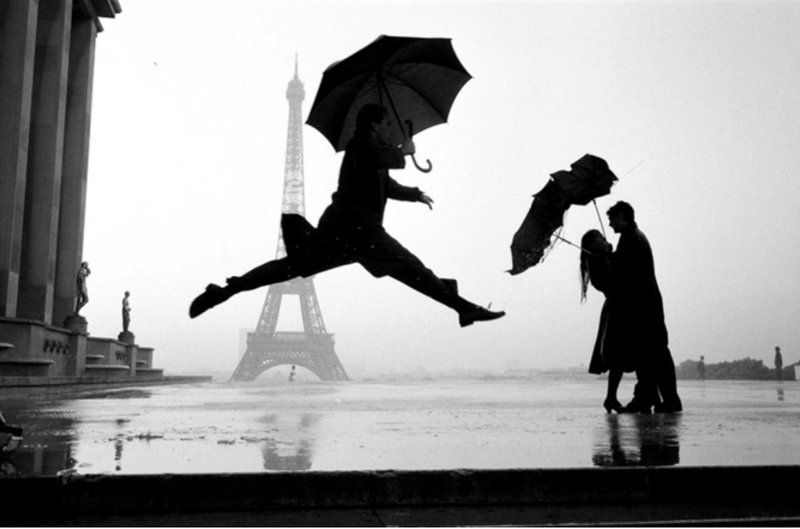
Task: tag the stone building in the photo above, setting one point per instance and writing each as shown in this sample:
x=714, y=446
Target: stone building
x=47, y=50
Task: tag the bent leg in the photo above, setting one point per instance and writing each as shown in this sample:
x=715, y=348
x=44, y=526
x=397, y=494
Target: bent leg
x=645, y=392
x=667, y=383
x=426, y=282
x=409, y=270
x=268, y=273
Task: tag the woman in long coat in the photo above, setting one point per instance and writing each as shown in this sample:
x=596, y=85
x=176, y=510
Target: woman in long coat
x=608, y=353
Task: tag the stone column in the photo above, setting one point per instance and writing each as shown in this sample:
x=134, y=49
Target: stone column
x=17, y=52
x=75, y=166
x=45, y=156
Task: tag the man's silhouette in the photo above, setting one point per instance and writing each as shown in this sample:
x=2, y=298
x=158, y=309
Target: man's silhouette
x=641, y=312
x=351, y=229
x=778, y=364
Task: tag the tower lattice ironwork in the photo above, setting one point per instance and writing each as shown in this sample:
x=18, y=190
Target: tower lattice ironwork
x=313, y=347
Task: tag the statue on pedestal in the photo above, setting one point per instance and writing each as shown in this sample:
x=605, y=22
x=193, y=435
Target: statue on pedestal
x=75, y=322
x=126, y=312
x=82, y=297
x=126, y=335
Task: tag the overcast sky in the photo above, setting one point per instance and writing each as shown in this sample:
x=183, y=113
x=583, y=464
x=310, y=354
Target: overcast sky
x=695, y=106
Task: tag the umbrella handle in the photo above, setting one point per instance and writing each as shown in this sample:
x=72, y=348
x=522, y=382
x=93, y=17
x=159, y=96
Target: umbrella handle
x=413, y=158
x=423, y=169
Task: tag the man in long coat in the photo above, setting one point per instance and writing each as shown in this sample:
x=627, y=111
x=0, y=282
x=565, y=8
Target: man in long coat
x=351, y=229
x=639, y=316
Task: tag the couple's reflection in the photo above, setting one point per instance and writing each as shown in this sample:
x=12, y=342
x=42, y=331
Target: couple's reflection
x=638, y=440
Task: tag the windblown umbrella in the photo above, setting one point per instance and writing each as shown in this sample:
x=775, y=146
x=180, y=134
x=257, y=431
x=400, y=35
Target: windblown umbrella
x=588, y=178
x=415, y=79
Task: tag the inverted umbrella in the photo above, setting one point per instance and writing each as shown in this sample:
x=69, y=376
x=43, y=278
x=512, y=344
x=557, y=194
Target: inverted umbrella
x=588, y=178
x=415, y=79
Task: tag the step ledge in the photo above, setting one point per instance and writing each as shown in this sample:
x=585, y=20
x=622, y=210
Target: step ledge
x=27, y=361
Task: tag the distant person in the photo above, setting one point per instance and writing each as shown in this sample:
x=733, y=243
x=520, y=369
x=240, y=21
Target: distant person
x=351, y=229
x=16, y=435
x=126, y=311
x=778, y=364
x=82, y=292
x=291, y=374
x=639, y=308
x=595, y=263
x=701, y=368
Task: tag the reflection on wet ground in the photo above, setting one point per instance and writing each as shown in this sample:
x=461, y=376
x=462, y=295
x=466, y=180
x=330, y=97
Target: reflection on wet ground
x=636, y=440
x=549, y=423
x=127, y=393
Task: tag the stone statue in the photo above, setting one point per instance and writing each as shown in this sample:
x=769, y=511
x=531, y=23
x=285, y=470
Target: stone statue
x=82, y=297
x=126, y=312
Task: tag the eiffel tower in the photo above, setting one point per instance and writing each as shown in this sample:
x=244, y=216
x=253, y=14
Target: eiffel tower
x=313, y=347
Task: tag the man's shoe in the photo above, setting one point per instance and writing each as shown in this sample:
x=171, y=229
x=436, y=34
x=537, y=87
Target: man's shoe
x=668, y=407
x=478, y=314
x=213, y=296
x=636, y=406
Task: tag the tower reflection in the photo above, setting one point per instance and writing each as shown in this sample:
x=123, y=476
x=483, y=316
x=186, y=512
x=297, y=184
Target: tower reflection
x=638, y=440
x=293, y=446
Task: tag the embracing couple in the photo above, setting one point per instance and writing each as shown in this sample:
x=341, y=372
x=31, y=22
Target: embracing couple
x=632, y=335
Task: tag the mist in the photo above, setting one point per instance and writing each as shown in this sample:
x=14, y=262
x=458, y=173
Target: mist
x=694, y=105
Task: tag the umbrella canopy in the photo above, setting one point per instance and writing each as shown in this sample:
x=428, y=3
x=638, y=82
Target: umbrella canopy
x=415, y=79
x=588, y=178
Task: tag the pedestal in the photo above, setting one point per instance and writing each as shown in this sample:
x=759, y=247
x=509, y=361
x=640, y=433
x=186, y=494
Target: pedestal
x=76, y=323
x=127, y=337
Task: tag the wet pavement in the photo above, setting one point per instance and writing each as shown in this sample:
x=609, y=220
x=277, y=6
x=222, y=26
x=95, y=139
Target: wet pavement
x=270, y=426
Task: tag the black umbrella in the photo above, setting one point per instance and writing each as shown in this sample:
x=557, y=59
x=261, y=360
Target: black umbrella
x=415, y=79
x=588, y=178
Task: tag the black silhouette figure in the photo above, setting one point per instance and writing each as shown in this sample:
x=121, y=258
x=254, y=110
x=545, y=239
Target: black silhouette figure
x=595, y=267
x=701, y=368
x=351, y=229
x=778, y=364
x=638, y=307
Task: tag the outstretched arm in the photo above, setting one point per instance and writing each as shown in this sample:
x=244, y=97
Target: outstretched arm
x=425, y=199
x=409, y=194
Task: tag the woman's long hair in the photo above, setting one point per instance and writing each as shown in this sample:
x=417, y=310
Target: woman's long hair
x=589, y=241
